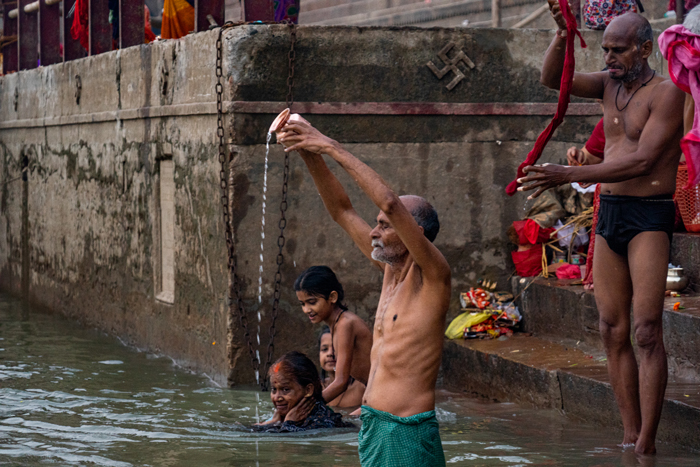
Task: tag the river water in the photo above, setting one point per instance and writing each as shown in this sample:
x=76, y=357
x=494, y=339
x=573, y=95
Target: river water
x=73, y=396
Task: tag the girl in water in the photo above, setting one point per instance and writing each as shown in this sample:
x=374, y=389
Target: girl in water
x=352, y=397
x=321, y=298
x=295, y=391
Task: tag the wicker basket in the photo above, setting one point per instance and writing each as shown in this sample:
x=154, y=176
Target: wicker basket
x=688, y=200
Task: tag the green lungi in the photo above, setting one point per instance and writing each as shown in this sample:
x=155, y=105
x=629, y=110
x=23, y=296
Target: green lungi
x=386, y=440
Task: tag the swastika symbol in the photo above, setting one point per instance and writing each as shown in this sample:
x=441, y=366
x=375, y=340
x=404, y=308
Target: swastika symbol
x=451, y=65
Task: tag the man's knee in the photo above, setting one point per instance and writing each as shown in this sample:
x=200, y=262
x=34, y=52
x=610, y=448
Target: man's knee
x=614, y=334
x=648, y=335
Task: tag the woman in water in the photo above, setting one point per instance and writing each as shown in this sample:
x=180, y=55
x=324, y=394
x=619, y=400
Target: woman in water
x=321, y=298
x=352, y=397
x=295, y=391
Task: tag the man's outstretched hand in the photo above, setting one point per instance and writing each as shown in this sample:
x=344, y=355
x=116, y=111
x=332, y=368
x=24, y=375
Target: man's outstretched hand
x=300, y=135
x=543, y=177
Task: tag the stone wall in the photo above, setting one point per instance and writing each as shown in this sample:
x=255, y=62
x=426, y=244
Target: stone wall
x=99, y=134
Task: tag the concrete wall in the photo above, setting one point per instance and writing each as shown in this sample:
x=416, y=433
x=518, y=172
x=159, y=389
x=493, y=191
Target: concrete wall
x=94, y=215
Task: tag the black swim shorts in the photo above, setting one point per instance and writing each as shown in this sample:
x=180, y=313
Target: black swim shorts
x=621, y=218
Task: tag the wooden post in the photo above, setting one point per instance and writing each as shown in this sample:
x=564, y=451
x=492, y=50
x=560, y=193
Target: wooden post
x=49, y=33
x=131, y=23
x=28, y=38
x=258, y=10
x=71, y=49
x=100, y=29
x=496, y=14
x=9, y=51
x=202, y=8
x=680, y=11
x=576, y=10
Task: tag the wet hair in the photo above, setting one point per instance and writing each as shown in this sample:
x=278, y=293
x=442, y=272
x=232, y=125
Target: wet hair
x=320, y=281
x=297, y=366
x=426, y=216
x=324, y=330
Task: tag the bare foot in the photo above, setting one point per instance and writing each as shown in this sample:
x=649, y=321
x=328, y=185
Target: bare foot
x=588, y=286
x=644, y=447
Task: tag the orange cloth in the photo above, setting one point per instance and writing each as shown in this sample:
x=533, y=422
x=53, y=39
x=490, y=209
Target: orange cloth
x=178, y=19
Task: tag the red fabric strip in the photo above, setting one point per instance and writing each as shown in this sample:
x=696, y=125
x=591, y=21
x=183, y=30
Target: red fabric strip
x=567, y=78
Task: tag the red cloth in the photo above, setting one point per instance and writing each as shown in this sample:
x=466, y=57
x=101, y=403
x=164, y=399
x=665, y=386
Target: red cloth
x=567, y=78
x=596, y=143
x=80, y=29
x=149, y=34
x=530, y=233
x=589, y=260
x=528, y=263
x=568, y=271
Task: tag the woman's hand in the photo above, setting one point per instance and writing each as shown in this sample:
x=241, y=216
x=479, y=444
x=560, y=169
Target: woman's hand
x=299, y=412
x=575, y=156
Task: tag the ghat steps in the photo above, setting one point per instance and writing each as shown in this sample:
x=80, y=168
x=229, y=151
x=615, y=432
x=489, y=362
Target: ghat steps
x=559, y=361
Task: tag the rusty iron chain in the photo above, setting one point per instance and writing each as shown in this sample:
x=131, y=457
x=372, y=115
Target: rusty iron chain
x=283, y=208
x=223, y=183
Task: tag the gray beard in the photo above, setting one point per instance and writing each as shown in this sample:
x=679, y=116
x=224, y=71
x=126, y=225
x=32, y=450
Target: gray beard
x=383, y=256
x=632, y=75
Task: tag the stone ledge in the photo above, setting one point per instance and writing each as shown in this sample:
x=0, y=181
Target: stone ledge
x=536, y=372
x=554, y=309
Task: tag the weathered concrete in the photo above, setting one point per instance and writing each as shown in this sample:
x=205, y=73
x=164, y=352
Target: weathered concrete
x=555, y=310
x=540, y=373
x=95, y=131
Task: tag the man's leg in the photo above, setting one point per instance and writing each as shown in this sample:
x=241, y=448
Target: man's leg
x=648, y=263
x=613, y=296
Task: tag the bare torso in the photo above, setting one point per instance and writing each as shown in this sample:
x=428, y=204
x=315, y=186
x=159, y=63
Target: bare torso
x=361, y=347
x=408, y=340
x=622, y=132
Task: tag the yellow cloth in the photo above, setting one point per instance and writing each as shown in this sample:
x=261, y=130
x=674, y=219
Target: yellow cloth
x=178, y=19
x=456, y=328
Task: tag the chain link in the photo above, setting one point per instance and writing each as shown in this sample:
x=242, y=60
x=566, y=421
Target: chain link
x=236, y=283
x=223, y=184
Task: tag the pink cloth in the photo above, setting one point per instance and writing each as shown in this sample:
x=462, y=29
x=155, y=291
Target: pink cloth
x=567, y=78
x=682, y=50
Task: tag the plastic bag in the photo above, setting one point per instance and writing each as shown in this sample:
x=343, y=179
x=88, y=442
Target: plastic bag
x=456, y=328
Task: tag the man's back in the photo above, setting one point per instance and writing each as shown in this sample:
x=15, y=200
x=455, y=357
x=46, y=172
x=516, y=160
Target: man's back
x=408, y=341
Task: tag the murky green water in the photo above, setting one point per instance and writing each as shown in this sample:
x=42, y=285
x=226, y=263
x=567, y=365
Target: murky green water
x=70, y=396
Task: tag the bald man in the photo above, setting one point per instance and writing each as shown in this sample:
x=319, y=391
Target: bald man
x=643, y=115
x=399, y=427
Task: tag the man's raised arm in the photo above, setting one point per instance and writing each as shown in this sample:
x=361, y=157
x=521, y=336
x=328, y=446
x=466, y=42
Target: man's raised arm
x=303, y=136
x=589, y=85
x=338, y=204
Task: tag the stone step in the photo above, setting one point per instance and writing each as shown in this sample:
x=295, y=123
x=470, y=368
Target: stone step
x=685, y=252
x=555, y=309
x=541, y=373
x=308, y=6
x=421, y=12
x=349, y=9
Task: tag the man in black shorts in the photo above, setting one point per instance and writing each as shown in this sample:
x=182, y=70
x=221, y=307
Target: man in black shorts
x=643, y=128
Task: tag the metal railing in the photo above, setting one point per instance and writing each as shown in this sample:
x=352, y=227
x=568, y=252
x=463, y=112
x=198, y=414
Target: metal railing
x=32, y=29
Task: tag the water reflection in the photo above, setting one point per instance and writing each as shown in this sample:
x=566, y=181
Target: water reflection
x=73, y=396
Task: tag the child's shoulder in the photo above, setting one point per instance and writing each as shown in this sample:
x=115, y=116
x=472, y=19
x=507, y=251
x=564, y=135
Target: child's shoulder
x=351, y=322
